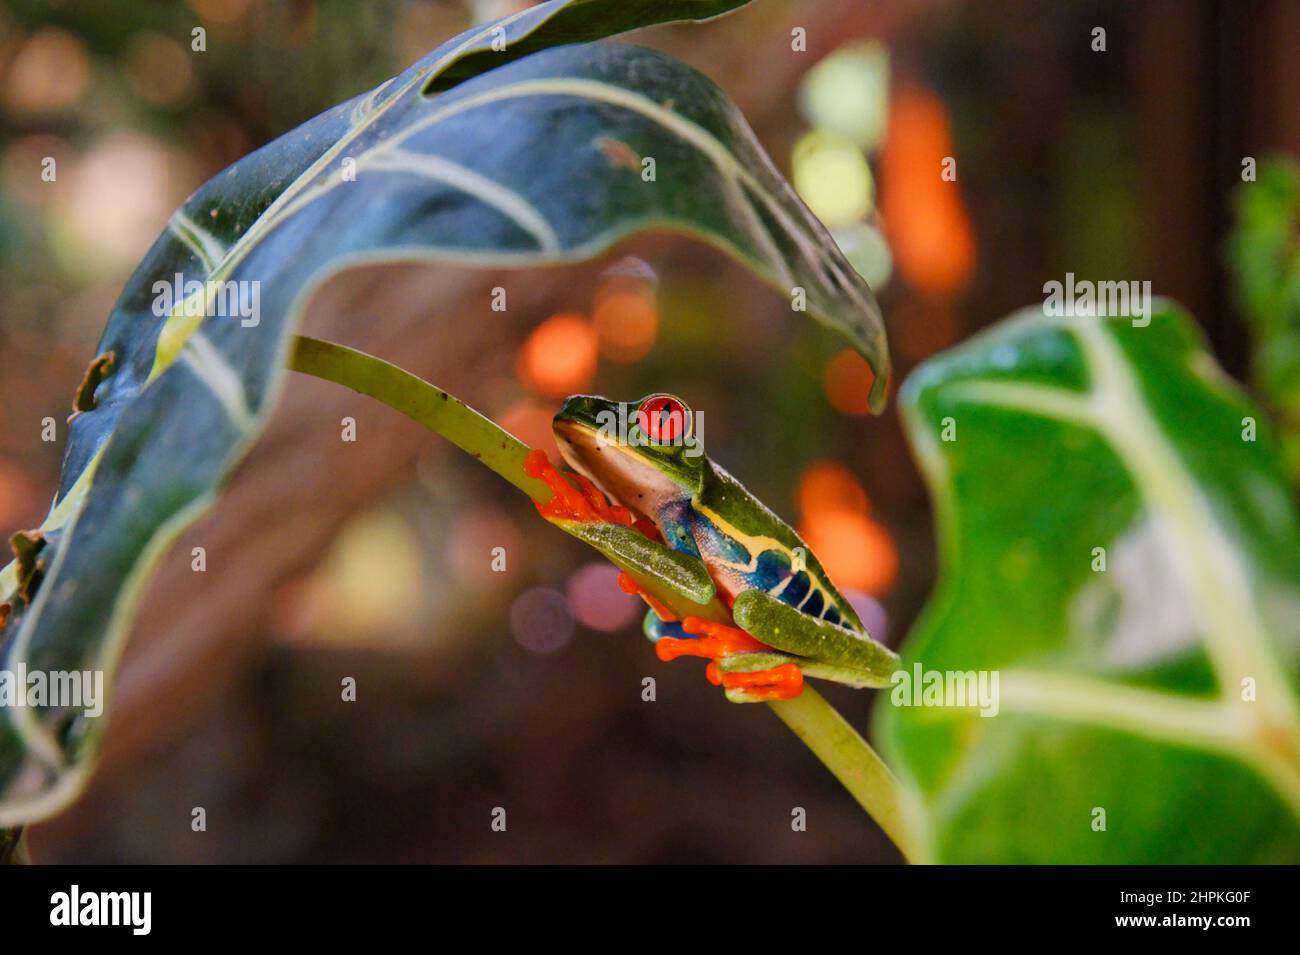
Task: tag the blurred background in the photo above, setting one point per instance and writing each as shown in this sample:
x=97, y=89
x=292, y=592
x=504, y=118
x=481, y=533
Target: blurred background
x=522, y=689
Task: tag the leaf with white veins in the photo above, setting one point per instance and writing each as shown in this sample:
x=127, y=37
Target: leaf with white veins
x=518, y=161
x=1126, y=560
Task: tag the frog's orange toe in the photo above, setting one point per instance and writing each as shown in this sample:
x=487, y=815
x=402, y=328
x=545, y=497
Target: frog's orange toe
x=727, y=640
x=670, y=648
x=717, y=641
x=779, y=683
x=583, y=503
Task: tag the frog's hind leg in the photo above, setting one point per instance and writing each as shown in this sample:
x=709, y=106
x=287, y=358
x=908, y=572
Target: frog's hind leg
x=781, y=682
x=747, y=669
x=726, y=647
x=707, y=639
x=833, y=651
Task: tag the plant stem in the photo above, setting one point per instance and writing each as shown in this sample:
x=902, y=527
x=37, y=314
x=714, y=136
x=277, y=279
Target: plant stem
x=850, y=759
x=830, y=737
x=417, y=399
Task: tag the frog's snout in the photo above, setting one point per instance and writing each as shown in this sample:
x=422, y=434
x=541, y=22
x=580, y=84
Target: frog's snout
x=581, y=408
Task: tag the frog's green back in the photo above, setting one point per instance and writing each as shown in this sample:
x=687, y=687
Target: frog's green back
x=745, y=520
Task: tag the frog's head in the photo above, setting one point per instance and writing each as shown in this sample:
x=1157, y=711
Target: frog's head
x=643, y=454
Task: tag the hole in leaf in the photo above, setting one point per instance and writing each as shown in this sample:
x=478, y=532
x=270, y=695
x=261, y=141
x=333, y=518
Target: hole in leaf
x=27, y=546
x=96, y=372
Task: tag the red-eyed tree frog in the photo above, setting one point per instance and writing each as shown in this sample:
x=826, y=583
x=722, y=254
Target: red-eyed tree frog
x=685, y=532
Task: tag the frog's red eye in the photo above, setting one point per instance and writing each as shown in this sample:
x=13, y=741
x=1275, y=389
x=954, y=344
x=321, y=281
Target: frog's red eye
x=663, y=419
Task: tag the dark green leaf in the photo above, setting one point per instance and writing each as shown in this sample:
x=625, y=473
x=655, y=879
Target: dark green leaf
x=535, y=162
x=554, y=24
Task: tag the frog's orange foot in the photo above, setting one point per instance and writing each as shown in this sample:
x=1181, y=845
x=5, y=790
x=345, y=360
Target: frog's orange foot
x=711, y=646
x=582, y=503
x=728, y=640
x=714, y=641
x=670, y=648
x=779, y=683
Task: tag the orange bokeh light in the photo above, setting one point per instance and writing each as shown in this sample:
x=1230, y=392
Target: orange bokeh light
x=626, y=321
x=855, y=550
x=49, y=72
x=827, y=484
x=559, y=357
x=848, y=381
x=926, y=222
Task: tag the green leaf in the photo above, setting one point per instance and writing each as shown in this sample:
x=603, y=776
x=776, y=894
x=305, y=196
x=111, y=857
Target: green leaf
x=537, y=161
x=557, y=23
x=1159, y=690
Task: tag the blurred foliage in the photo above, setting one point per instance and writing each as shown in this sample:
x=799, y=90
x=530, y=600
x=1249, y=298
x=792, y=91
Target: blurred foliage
x=85, y=76
x=1264, y=251
x=267, y=65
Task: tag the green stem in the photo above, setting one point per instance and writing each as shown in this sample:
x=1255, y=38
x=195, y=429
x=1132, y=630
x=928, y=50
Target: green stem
x=417, y=399
x=850, y=759
x=830, y=737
